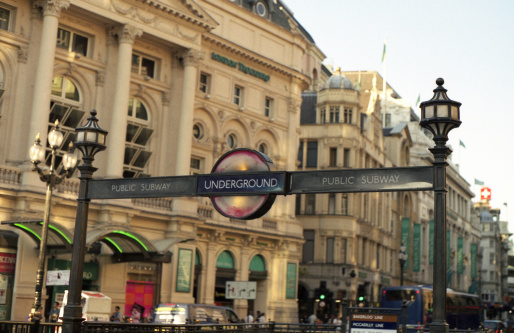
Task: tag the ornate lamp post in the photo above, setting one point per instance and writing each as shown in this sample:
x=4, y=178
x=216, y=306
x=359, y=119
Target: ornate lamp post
x=90, y=140
x=440, y=115
x=37, y=155
x=402, y=257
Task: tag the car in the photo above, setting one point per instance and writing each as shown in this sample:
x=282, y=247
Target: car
x=174, y=313
x=494, y=325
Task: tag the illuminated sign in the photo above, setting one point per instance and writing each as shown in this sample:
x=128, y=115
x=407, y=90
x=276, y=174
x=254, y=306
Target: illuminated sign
x=485, y=193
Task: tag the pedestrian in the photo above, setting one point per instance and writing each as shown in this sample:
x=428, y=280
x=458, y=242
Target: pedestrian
x=262, y=318
x=54, y=313
x=249, y=318
x=257, y=317
x=116, y=315
x=312, y=319
x=136, y=315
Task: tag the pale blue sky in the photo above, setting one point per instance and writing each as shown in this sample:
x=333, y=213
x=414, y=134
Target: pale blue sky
x=468, y=43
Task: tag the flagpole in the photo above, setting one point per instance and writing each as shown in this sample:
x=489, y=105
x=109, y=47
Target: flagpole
x=384, y=100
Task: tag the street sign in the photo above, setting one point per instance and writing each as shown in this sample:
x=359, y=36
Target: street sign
x=153, y=187
x=240, y=289
x=362, y=180
x=373, y=323
x=241, y=183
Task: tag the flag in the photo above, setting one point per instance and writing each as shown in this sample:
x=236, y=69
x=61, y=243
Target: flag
x=384, y=52
x=417, y=101
x=462, y=144
x=479, y=182
x=505, y=204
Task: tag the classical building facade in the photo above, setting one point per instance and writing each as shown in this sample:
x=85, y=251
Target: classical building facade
x=352, y=240
x=177, y=84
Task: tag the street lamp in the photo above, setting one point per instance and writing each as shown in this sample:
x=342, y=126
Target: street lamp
x=90, y=140
x=37, y=155
x=440, y=115
x=402, y=257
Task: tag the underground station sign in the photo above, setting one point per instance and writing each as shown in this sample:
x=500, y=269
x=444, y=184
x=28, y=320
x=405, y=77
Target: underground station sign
x=243, y=183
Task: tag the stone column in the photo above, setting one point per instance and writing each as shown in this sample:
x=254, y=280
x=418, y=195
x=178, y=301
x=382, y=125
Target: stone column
x=292, y=152
x=210, y=277
x=191, y=59
x=118, y=129
x=40, y=108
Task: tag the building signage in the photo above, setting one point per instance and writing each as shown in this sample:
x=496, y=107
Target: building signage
x=485, y=193
x=7, y=263
x=240, y=289
x=153, y=187
x=58, y=278
x=363, y=180
x=373, y=323
x=264, y=183
x=239, y=65
x=184, y=270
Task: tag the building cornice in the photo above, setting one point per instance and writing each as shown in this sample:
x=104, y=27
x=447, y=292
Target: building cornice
x=256, y=58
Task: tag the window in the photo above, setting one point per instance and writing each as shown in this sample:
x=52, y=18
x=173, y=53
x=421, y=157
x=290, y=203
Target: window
x=346, y=158
x=330, y=250
x=310, y=203
x=347, y=115
x=388, y=120
x=300, y=154
x=332, y=203
x=196, y=165
x=344, y=204
x=334, y=114
x=491, y=258
x=322, y=113
x=205, y=83
x=5, y=18
x=137, y=151
x=232, y=141
x=197, y=131
x=308, y=246
x=261, y=9
x=143, y=66
x=312, y=154
x=72, y=41
x=238, y=95
x=298, y=207
x=268, y=104
x=333, y=157
x=66, y=108
x=343, y=251
x=263, y=148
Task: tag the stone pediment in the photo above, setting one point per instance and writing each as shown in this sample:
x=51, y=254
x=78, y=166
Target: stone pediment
x=185, y=9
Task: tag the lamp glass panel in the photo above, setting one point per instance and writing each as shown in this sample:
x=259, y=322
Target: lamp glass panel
x=91, y=137
x=55, y=138
x=429, y=111
x=442, y=110
x=36, y=153
x=455, y=113
x=101, y=138
x=80, y=136
x=69, y=161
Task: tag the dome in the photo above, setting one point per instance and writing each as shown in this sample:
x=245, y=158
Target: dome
x=485, y=216
x=338, y=82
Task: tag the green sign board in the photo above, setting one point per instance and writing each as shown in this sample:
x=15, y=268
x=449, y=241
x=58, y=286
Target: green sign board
x=239, y=65
x=291, y=281
x=406, y=239
x=431, y=243
x=460, y=255
x=184, y=267
x=416, y=247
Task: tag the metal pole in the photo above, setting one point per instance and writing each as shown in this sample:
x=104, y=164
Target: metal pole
x=440, y=152
x=72, y=319
x=401, y=272
x=37, y=309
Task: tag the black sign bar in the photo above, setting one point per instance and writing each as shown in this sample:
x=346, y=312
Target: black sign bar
x=153, y=187
x=255, y=183
x=362, y=180
x=242, y=183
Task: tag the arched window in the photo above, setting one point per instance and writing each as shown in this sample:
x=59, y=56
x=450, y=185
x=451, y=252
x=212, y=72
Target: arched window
x=66, y=107
x=137, y=150
x=225, y=260
x=257, y=264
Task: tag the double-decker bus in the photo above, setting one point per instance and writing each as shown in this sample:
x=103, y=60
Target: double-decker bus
x=463, y=311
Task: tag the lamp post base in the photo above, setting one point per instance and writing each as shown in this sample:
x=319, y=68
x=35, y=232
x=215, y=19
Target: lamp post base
x=438, y=327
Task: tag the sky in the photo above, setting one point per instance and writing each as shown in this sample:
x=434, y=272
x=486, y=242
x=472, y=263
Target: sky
x=468, y=43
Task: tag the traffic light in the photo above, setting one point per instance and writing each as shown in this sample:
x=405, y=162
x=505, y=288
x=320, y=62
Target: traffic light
x=361, y=298
x=322, y=296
